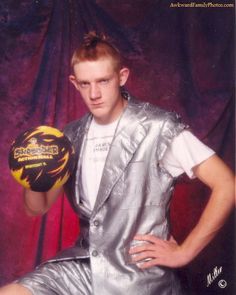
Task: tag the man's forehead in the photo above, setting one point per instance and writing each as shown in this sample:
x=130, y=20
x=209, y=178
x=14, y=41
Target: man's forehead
x=86, y=70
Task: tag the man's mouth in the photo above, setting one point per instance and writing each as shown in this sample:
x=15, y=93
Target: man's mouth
x=96, y=105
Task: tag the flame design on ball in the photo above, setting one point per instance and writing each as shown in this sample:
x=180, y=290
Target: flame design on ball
x=41, y=158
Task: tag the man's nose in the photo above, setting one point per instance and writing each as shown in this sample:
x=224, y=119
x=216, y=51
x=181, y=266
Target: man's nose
x=95, y=92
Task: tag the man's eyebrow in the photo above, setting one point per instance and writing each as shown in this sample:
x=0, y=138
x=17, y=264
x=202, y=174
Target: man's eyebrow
x=107, y=77
x=82, y=81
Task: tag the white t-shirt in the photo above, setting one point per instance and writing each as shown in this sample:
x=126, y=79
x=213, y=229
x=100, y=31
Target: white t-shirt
x=97, y=145
x=184, y=153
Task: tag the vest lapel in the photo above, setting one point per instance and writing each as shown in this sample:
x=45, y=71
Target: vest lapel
x=79, y=148
x=129, y=134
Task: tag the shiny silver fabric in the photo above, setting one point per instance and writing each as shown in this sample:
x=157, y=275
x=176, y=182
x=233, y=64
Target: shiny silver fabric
x=133, y=198
x=64, y=278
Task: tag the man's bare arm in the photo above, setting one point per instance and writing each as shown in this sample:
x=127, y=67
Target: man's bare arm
x=216, y=175
x=37, y=203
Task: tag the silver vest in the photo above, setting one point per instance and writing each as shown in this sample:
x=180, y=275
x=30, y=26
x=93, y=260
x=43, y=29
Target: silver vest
x=133, y=198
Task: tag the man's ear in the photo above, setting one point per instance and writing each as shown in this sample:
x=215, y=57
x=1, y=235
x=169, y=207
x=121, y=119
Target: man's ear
x=73, y=81
x=124, y=74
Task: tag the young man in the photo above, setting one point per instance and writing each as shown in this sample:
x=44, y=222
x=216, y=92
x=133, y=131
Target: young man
x=128, y=154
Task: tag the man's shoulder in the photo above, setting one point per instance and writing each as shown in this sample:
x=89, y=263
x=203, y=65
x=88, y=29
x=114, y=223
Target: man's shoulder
x=73, y=127
x=153, y=112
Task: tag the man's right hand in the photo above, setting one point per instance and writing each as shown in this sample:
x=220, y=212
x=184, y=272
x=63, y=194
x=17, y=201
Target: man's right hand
x=38, y=203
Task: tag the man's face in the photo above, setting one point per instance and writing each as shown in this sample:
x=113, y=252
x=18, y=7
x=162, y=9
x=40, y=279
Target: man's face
x=99, y=85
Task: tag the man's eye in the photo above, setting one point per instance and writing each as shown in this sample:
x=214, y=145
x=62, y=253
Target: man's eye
x=104, y=81
x=83, y=84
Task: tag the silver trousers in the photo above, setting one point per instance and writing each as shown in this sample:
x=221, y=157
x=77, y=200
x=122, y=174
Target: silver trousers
x=71, y=277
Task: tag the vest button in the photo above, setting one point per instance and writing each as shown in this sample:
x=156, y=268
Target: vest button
x=96, y=223
x=94, y=253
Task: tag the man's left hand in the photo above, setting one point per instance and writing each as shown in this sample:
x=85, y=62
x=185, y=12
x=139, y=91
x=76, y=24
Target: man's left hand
x=157, y=252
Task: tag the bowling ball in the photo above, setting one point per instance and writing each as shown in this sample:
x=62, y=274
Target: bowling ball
x=41, y=158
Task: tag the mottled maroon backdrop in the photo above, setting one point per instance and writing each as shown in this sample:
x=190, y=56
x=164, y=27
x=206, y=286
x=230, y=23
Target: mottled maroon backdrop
x=181, y=59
